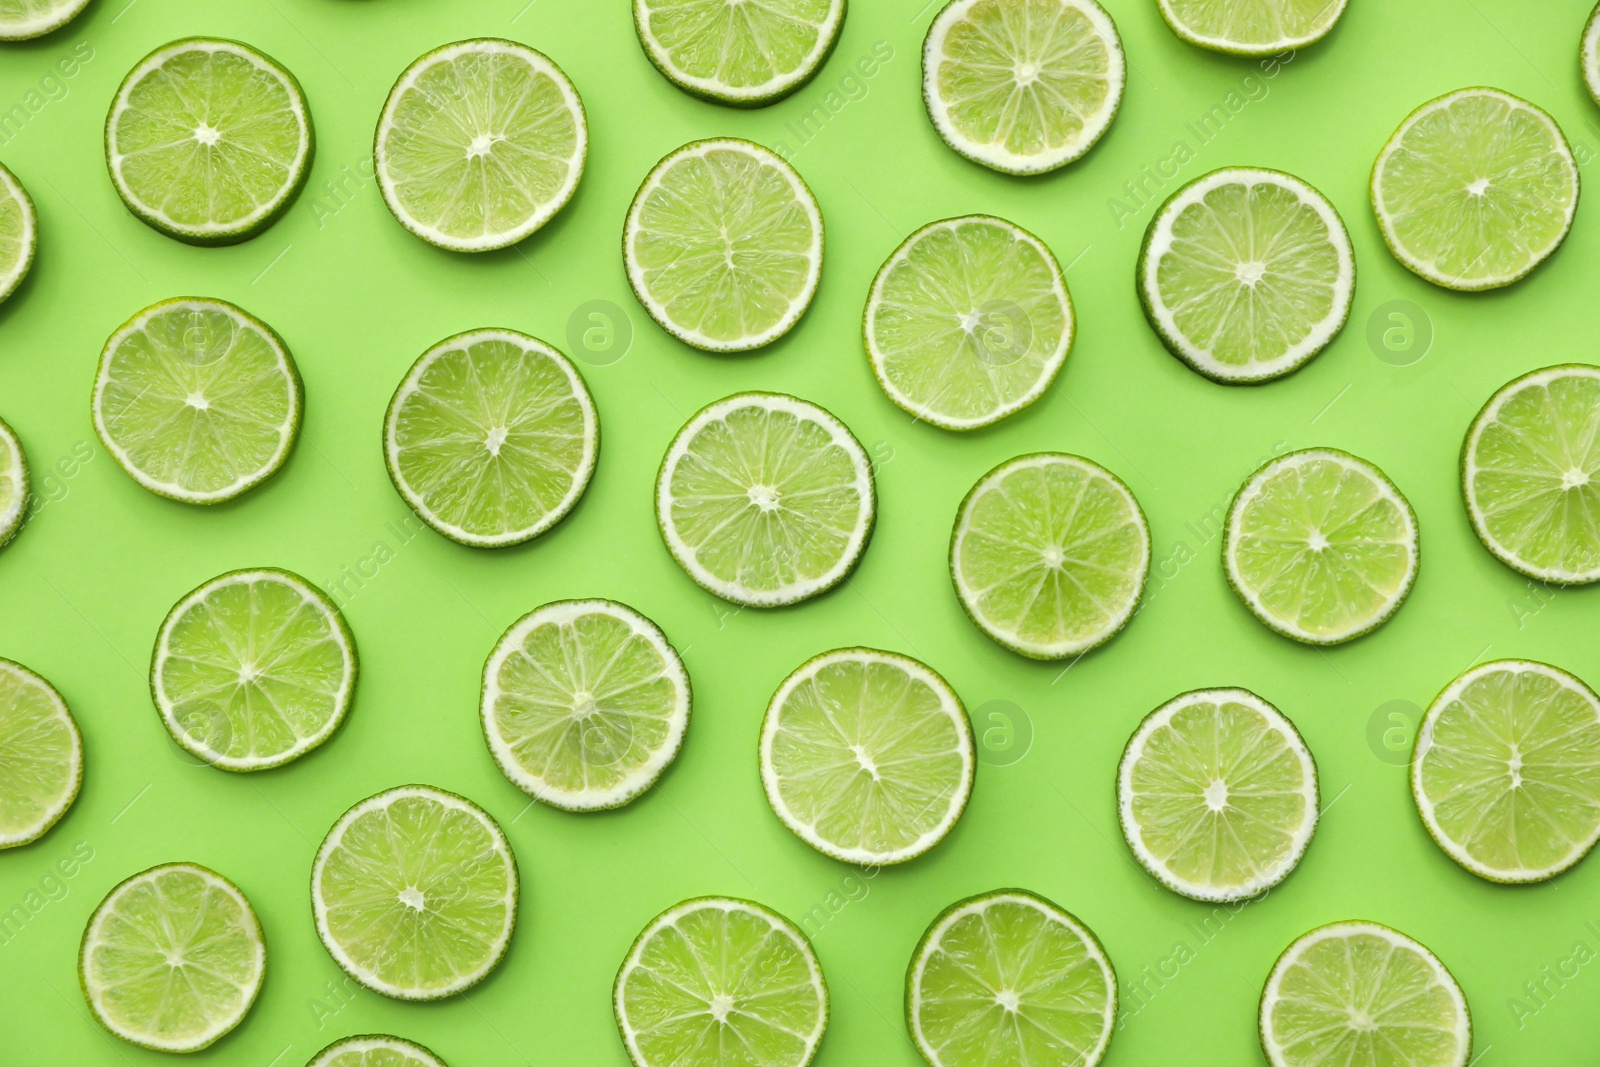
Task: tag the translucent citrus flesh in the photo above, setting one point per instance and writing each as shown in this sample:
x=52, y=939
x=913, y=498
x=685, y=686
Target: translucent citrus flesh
x=39, y=760
x=13, y=484
x=375, y=1052
x=1252, y=24
x=741, y=46
x=16, y=229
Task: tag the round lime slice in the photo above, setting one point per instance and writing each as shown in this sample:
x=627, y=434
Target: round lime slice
x=22, y=20
x=1321, y=546
x=19, y=232
x=375, y=1050
x=1022, y=86
x=1252, y=27
x=1217, y=794
x=867, y=756
x=1049, y=555
x=492, y=437
x=173, y=958
x=1009, y=978
x=41, y=756
x=14, y=493
x=1475, y=189
x=208, y=141
x=1363, y=995
x=747, y=55
x=1589, y=54
x=480, y=143
x=1247, y=274
x=716, y=982
x=723, y=245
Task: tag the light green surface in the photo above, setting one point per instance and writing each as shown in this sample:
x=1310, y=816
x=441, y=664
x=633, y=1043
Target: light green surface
x=357, y=299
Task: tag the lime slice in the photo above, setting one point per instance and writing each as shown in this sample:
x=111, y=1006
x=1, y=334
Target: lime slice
x=173, y=958
x=22, y=20
x=1008, y=979
x=1247, y=274
x=491, y=438
x=41, y=756
x=1022, y=86
x=1589, y=54
x=208, y=141
x=1530, y=473
x=14, y=493
x=715, y=982
x=375, y=1050
x=747, y=55
x=1217, y=793
x=480, y=143
x=867, y=756
x=415, y=893
x=1252, y=27
x=584, y=704
x=1321, y=546
x=1049, y=555
x=723, y=245
x=253, y=669
x=19, y=231
x=968, y=322
x=1475, y=189
x=1506, y=773
x=1362, y=995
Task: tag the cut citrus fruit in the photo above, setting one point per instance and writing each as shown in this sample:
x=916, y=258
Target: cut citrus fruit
x=208, y=141
x=253, y=669
x=1252, y=27
x=19, y=231
x=173, y=958
x=1022, y=86
x=747, y=55
x=22, y=20
x=584, y=704
x=1362, y=995
x=1589, y=54
x=716, y=982
x=1247, y=274
x=723, y=245
x=1321, y=546
x=1475, y=189
x=867, y=756
x=1530, y=473
x=375, y=1050
x=1049, y=555
x=41, y=756
x=1009, y=978
x=480, y=143
x=1506, y=773
x=414, y=892
x=14, y=491
x=1217, y=794
x=765, y=499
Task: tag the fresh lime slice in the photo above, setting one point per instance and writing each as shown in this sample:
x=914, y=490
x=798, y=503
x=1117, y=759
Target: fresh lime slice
x=968, y=322
x=1217, y=793
x=1049, y=555
x=1008, y=979
x=747, y=55
x=173, y=958
x=1530, y=473
x=415, y=893
x=491, y=438
x=1321, y=546
x=1247, y=274
x=1475, y=189
x=197, y=400
x=253, y=669
x=14, y=493
x=1589, y=54
x=1022, y=86
x=1358, y=994
x=375, y=1050
x=19, y=231
x=765, y=499
x=208, y=141
x=1506, y=773
x=1252, y=27
x=22, y=20
x=715, y=982
x=584, y=704
x=867, y=756
x=480, y=143
x=723, y=245
x=41, y=756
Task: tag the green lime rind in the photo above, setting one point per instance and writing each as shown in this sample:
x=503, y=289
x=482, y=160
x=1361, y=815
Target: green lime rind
x=12, y=673
x=356, y=1052
x=23, y=21
x=18, y=248
x=212, y=232
x=1309, y=34
x=723, y=91
x=1589, y=55
x=15, y=482
x=1092, y=949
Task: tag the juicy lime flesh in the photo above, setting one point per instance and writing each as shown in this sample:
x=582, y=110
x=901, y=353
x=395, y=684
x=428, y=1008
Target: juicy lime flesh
x=1535, y=475
x=1478, y=189
x=1255, y=23
x=37, y=762
x=13, y=484
x=17, y=14
x=724, y=246
x=722, y=987
x=741, y=46
x=377, y=1056
x=1514, y=771
x=1009, y=986
x=208, y=138
x=15, y=246
x=968, y=318
x=197, y=400
x=480, y=144
x=867, y=755
x=492, y=438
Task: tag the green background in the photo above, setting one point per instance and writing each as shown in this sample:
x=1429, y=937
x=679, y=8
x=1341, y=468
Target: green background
x=86, y=584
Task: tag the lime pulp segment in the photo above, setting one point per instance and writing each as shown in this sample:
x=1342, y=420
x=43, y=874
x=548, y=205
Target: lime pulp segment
x=22, y=20
x=19, y=231
x=14, y=490
x=747, y=55
x=1252, y=27
x=375, y=1050
x=41, y=756
x=1589, y=54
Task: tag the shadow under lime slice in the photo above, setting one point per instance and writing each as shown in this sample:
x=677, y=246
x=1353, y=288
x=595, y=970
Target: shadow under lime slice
x=1252, y=27
x=19, y=233
x=743, y=54
x=375, y=1050
x=14, y=489
x=41, y=756
x=23, y=20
